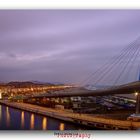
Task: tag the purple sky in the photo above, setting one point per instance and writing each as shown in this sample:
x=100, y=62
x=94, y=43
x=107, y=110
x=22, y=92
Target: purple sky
x=62, y=45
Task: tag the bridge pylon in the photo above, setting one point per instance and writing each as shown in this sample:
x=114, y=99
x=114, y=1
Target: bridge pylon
x=138, y=103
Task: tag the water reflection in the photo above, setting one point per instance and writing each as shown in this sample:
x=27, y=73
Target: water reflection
x=14, y=119
x=22, y=119
x=62, y=126
x=7, y=117
x=44, y=123
x=32, y=121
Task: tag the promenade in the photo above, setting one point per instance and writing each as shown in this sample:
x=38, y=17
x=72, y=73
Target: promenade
x=84, y=119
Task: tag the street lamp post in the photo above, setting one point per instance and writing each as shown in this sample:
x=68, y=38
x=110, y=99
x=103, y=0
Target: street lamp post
x=137, y=103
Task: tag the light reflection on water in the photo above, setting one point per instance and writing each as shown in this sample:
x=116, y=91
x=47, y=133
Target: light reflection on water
x=62, y=126
x=44, y=123
x=32, y=122
x=22, y=120
x=14, y=119
x=7, y=117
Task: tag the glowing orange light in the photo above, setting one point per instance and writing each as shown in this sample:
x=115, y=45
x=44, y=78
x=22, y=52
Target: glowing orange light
x=136, y=93
x=62, y=126
x=44, y=123
x=32, y=121
x=22, y=119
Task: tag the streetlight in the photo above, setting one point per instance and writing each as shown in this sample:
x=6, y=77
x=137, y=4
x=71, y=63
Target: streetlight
x=137, y=102
x=136, y=93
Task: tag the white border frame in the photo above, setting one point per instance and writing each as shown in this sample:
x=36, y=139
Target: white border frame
x=69, y=4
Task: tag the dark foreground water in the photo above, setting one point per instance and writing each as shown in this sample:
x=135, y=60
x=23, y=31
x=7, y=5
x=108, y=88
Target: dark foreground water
x=14, y=119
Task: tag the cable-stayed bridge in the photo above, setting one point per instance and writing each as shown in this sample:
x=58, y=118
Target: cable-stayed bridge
x=121, y=73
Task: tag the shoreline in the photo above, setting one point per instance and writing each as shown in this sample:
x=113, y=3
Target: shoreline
x=82, y=119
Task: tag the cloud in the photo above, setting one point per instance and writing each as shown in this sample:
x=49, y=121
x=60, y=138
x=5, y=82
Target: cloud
x=62, y=45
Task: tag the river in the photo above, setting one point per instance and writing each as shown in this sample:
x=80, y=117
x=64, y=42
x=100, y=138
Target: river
x=15, y=119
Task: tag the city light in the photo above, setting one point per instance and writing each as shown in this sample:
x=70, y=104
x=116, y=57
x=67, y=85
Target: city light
x=136, y=93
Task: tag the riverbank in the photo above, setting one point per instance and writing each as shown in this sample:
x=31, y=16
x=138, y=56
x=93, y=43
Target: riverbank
x=102, y=123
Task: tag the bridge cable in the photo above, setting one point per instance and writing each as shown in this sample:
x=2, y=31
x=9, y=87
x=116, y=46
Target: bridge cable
x=116, y=62
x=114, y=59
x=125, y=50
x=124, y=68
x=131, y=57
x=132, y=64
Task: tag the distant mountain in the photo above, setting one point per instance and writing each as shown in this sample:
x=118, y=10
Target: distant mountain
x=22, y=84
x=49, y=83
x=26, y=84
x=2, y=84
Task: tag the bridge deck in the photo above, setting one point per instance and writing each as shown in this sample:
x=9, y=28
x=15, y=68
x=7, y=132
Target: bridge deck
x=123, y=89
